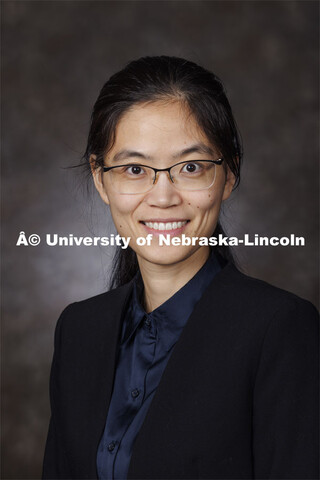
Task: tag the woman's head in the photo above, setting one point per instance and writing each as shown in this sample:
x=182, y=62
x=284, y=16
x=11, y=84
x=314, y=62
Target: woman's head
x=151, y=79
x=166, y=110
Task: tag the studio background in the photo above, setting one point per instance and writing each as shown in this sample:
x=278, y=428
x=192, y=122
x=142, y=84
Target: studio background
x=56, y=55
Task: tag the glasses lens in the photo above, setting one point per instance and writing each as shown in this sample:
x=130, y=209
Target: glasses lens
x=194, y=175
x=132, y=178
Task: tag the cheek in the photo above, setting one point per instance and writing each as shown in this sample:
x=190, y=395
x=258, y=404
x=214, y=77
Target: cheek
x=206, y=202
x=122, y=208
x=206, y=208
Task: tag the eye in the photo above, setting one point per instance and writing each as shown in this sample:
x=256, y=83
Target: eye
x=191, y=167
x=134, y=170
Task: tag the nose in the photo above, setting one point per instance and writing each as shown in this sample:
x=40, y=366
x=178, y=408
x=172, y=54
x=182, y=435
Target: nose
x=163, y=193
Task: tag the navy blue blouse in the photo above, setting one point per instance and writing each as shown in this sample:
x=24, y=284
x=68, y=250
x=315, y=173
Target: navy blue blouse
x=147, y=342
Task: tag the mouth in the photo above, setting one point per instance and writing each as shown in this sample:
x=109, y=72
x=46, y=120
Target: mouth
x=173, y=227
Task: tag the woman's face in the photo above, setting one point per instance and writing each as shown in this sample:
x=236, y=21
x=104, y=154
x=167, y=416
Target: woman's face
x=162, y=134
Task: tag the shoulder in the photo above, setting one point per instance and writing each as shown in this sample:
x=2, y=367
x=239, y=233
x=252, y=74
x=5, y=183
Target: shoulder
x=94, y=311
x=97, y=302
x=255, y=320
x=250, y=305
x=258, y=293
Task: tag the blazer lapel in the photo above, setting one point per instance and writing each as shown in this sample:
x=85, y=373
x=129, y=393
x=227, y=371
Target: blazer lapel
x=97, y=365
x=177, y=382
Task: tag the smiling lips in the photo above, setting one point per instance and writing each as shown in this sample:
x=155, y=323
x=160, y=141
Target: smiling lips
x=166, y=226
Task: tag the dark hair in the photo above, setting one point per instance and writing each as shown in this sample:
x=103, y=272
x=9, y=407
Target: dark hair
x=151, y=79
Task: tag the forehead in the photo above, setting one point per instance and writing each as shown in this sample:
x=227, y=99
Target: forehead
x=159, y=128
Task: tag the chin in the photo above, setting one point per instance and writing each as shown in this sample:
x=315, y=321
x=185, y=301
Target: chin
x=165, y=255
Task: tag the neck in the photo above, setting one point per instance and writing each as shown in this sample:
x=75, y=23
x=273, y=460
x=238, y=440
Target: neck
x=163, y=281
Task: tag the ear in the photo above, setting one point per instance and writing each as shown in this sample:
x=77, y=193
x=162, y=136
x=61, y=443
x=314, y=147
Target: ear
x=97, y=178
x=229, y=184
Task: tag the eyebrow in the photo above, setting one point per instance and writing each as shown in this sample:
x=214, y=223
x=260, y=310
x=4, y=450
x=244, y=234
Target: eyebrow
x=196, y=148
x=129, y=154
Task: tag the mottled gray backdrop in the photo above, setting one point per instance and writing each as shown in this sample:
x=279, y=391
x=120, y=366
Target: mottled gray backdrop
x=56, y=55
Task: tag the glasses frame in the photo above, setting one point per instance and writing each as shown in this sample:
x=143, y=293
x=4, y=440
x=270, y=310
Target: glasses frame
x=156, y=170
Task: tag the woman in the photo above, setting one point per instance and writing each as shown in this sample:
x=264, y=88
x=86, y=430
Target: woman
x=187, y=368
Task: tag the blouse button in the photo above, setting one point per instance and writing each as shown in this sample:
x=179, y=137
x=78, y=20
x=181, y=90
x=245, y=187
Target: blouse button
x=147, y=322
x=111, y=446
x=135, y=393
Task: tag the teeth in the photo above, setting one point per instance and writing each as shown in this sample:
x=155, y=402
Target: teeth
x=165, y=226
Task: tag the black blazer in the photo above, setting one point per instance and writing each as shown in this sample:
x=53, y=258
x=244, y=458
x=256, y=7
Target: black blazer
x=238, y=398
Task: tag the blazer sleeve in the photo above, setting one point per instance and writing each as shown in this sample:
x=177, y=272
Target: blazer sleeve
x=285, y=405
x=55, y=463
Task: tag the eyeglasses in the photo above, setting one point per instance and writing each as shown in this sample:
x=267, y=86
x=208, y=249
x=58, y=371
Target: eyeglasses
x=135, y=178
